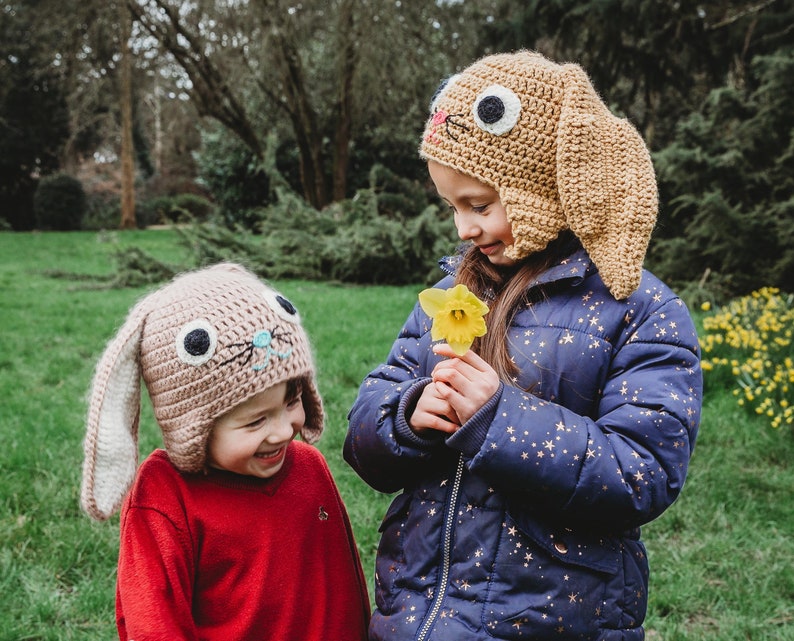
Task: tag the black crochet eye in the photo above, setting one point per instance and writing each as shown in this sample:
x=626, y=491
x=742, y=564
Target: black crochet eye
x=491, y=109
x=496, y=110
x=286, y=305
x=196, y=342
x=444, y=84
x=282, y=306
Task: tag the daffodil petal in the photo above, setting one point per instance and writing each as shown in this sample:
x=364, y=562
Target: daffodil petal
x=433, y=300
x=457, y=316
x=460, y=347
x=462, y=293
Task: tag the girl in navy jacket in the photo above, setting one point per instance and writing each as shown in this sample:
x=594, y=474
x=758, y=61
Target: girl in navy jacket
x=526, y=465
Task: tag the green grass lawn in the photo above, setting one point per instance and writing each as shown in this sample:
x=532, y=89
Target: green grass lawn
x=722, y=558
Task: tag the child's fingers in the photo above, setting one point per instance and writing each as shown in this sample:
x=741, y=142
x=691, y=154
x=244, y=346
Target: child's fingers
x=434, y=412
x=469, y=368
x=469, y=357
x=466, y=382
x=435, y=422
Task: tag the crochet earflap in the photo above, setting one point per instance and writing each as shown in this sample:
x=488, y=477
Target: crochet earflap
x=111, y=441
x=538, y=133
x=606, y=183
x=203, y=344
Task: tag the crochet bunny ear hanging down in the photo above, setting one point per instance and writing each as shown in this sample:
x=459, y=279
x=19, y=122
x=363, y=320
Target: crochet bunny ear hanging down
x=606, y=182
x=111, y=441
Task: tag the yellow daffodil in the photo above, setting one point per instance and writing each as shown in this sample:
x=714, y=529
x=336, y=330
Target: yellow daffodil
x=457, y=316
x=755, y=331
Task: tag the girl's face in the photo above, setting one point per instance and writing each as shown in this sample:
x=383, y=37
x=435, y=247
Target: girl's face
x=252, y=438
x=479, y=214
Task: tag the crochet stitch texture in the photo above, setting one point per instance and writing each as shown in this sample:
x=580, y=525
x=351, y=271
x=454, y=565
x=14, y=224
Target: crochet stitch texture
x=203, y=344
x=539, y=134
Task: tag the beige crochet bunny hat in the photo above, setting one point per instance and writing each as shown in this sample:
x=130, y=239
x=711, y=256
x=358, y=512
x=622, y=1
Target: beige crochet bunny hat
x=203, y=344
x=537, y=132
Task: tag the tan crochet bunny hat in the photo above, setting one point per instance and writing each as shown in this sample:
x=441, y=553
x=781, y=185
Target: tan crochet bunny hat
x=203, y=344
x=537, y=132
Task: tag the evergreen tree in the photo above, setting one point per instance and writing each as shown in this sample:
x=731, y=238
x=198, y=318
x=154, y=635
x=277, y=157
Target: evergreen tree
x=33, y=115
x=728, y=184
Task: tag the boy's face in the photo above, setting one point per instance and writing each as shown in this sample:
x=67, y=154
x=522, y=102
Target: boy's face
x=252, y=438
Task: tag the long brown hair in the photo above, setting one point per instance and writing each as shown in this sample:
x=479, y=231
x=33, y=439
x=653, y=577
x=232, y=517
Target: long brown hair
x=505, y=290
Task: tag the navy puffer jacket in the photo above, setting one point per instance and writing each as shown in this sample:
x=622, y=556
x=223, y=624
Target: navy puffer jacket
x=525, y=522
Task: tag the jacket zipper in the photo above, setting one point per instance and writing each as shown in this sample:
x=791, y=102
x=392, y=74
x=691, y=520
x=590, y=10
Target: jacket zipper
x=449, y=525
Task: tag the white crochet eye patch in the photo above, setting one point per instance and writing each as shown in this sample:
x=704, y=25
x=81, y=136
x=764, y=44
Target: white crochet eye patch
x=496, y=110
x=196, y=342
x=439, y=92
x=283, y=307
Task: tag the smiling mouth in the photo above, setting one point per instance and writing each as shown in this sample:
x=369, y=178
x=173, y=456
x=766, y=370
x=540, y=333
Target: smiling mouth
x=488, y=249
x=267, y=457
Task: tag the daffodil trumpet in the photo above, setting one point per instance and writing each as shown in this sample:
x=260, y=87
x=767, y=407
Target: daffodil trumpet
x=457, y=316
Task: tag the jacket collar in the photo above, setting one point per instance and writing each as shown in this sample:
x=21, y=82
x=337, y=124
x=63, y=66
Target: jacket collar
x=574, y=269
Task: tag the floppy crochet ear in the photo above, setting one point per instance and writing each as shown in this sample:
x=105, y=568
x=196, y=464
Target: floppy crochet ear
x=606, y=184
x=111, y=441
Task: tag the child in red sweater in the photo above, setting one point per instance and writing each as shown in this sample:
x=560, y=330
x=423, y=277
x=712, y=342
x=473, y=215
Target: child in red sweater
x=234, y=531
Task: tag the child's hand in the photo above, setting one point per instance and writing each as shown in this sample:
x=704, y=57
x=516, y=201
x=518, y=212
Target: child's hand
x=433, y=412
x=465, y=382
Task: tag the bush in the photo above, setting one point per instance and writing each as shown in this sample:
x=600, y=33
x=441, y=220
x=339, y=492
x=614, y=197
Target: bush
x=103, y=211
x=370, y=249
x=229, y=170
x=349, y=241
x=173, y=209
x=398, y=197
x=59, y=203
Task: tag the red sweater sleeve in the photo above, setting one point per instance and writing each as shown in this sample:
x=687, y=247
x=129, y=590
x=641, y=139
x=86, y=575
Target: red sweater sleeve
x=155, y=568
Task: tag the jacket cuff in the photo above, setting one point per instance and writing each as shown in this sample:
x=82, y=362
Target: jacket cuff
x=471, y=435
x=405, y=408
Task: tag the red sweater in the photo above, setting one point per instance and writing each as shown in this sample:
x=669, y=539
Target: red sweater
x=226, y=557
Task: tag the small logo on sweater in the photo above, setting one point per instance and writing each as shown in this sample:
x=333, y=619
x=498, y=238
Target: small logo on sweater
x=322, y=515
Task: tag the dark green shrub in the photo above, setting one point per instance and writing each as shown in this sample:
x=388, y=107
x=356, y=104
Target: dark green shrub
x=164, y=210
x=189, y=205
x=398, y=197
x=151, y=211
x=59, y=203
x=103, y=211
x=234, y=177
x=349, y=241
x=369, y=248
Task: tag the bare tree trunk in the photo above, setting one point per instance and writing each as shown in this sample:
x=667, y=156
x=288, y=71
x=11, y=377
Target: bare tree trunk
x=157, y=110
x=348, y=61
x=127, y=161
x=303, y=117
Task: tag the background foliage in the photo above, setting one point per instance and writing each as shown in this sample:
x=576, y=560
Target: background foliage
x=241, y=102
